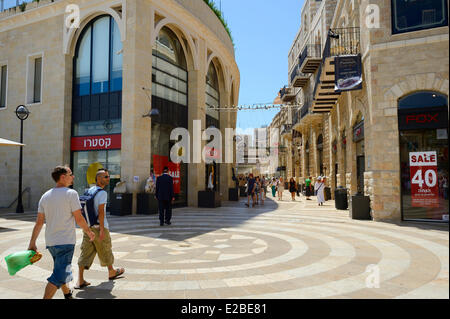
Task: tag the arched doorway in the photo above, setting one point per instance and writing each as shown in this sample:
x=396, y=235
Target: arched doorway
x=170, y=97
x=97, y=102
x=423, y=132
x=320, y=154
x=358, y=139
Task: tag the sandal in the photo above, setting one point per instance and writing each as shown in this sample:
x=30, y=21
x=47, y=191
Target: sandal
x=83, y=285
x=119, y=272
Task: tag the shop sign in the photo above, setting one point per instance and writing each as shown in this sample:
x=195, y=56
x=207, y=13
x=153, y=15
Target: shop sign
x=358, y=132
x=348, y=73
x=432, y=118
x=96, y=143
x=424, y=181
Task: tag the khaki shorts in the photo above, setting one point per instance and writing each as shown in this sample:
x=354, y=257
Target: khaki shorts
x=90, y=249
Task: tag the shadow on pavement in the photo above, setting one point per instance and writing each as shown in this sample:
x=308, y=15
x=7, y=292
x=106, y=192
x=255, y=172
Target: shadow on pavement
x=214, y=219
x=102, y=291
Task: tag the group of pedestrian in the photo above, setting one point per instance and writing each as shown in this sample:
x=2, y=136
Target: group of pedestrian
x=277, y=186
x=256, y=190
x=60, y=209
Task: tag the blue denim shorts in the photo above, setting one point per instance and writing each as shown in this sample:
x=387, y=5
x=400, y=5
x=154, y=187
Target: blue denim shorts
x=62, y=269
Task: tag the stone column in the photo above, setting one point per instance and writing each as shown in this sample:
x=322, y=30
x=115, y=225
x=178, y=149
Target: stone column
x=225, y=168
x=136, y=130
x=197, y=112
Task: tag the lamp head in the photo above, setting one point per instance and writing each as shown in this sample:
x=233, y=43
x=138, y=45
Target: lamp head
x=22, y=112
x=152, y=113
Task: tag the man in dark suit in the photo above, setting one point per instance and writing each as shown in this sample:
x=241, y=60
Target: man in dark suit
x=165, y=196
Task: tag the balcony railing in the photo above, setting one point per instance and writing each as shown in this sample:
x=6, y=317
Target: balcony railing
x=287, y=129
x=287, y=94
x=298, y=78
x=306, y=108
x=343, y=41
x=310, y=58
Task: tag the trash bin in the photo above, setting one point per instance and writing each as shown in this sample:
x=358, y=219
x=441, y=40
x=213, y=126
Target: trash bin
x=327, y=193
x=233, y=195
x=360, y=207
x=121, y=204
x=147, y=204
x=340, y=198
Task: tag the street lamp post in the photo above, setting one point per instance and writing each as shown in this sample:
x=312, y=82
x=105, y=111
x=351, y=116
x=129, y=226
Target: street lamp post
x=22, y=114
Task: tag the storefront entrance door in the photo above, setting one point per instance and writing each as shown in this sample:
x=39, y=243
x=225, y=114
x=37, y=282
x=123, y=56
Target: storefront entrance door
x=424, y=188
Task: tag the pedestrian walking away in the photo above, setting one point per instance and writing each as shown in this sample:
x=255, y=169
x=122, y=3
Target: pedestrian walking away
x=165, y=196
x=60, y=209
x=292, y=188
x=319, y=188
x=273, y=186
x=102, y=245
x=251, y=187
x=280, y=188
x=308, y=188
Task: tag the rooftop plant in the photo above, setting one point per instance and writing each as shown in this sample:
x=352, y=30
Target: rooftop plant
x=218, y=13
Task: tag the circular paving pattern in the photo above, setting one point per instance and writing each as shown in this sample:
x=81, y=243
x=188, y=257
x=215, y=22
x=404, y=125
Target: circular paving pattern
x=280, y=250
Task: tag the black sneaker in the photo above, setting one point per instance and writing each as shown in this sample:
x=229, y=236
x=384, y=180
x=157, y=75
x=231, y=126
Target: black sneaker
x=161, y=224
x=68, y=296
x=168, y=223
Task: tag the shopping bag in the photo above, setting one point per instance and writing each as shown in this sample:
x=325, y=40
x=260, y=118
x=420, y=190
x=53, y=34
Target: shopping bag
x=20, y=260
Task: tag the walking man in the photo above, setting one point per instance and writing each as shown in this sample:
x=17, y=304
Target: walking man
x=165, y=196
x=60, y=209
x=251, y=188
x=102, y=243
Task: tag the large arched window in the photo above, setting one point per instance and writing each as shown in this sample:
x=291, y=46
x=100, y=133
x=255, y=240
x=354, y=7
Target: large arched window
x=212, y=97
x=98, y=58
x=169, y=74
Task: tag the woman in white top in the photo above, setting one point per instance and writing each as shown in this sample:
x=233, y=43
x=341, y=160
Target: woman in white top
x=319, y=188
x=280, y=188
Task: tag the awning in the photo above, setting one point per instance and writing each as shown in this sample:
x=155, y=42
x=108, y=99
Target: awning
x=4, y=142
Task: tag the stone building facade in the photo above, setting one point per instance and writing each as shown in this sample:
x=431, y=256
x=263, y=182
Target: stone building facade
x=359, y=138
x=158, y=56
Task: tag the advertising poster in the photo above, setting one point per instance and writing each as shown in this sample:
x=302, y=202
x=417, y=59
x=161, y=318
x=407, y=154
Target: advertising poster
x=424, y=179
x=175, y=172
x=159, y=162
x=348, y=73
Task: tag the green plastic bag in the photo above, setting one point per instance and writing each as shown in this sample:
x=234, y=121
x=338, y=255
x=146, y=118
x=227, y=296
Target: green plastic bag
x=19, y=260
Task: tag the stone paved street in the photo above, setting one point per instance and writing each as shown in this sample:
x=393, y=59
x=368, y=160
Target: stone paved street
x=291, y=250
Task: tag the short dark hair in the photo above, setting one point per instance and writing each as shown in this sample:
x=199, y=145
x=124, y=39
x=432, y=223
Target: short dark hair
x=166, y=169
x=58, y=171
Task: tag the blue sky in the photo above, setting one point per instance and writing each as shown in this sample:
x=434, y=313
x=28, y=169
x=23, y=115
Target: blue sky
x=263, y=32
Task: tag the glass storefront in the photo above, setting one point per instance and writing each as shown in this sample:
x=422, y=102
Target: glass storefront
x=170, y=97
x=96, y=105
x=83, y=160
x=424, y=164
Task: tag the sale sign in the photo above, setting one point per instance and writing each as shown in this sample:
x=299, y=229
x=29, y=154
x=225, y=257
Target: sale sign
x=159, y=162
x=175, y=172
x=424, y=181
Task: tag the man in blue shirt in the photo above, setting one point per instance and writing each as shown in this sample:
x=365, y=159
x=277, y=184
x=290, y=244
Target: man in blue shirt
x=102, y=243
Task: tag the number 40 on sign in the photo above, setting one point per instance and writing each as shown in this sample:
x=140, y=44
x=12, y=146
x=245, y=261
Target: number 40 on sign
x=424, y=186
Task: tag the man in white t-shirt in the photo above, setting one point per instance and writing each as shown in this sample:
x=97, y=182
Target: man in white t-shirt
x=101, y=246
x=59, y=208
